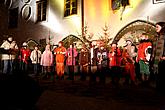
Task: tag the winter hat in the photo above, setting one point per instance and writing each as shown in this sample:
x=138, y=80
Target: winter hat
x=24, y=44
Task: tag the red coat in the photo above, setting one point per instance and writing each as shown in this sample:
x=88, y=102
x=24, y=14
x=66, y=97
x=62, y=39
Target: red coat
x=142, y=51
x=71, y=57
x=60, y=54
x=25, y=55
x=114, y=57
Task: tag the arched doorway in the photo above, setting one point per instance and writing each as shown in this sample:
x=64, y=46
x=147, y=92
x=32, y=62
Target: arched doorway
x=31, y=43
x=72, y=39
x=134, y=30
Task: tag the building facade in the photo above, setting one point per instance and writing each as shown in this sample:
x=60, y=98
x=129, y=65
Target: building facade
x=54, y=20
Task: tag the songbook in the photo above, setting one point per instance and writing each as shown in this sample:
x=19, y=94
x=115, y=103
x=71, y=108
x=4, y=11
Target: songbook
x=9, y=51
x=3, y=51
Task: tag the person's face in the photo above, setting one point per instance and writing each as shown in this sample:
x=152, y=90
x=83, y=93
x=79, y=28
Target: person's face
x=129, y=42
x=158, y=28
x=70, y=46
x=59, y=44
x=137, y=46
x=125, y=48
x=36, y=48
x=10, y=39
x=48, y=47
x=142, y=37
x=96, y=46
x=84, y=46
x=146, y=37
x=114, y=45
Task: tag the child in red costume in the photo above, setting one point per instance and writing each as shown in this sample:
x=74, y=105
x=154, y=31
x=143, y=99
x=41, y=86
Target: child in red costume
x=143, y=57
x=24, y=57
x=129, y=68
x=114, y=56
x=60, y=52
x=115, y=63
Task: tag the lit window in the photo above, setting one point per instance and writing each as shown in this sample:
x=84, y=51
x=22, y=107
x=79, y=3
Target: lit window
x=70, y=7
x=116, y=4
x=41, y=10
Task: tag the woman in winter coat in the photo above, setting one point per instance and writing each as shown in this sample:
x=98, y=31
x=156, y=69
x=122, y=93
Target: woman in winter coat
x=71, y=55
x=47, y=60
x=159, y=56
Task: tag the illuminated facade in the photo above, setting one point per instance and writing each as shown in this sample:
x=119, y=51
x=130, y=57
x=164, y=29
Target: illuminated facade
x=57, y=19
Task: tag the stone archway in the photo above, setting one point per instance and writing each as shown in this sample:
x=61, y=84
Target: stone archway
x=31, y=43
x=70, y=39
x=134, y=29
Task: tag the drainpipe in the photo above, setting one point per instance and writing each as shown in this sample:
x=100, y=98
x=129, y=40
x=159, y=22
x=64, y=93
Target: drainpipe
x=82, y=17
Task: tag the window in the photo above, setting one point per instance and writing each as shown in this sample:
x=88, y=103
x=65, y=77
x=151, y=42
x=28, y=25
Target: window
x=125, y=2
x=41, y=10
x=13, y=18
x=158, y=1
x=116, y=4
x=70, y=7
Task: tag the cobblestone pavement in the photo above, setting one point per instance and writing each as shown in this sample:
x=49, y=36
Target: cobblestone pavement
x=21, y=92
x=81, y=95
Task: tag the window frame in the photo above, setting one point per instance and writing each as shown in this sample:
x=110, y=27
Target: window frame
x=42, y=9
x=71, y=7
x=158, y=1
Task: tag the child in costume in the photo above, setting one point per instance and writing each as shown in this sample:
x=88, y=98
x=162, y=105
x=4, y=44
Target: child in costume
x=60, y=52
x=71, y=54
x=143, y=57
x=47, y=61
x=129, y=68
x=25, y=56
x=36, y=58
x=115, y=63
x=102, y=63
x=84, y=60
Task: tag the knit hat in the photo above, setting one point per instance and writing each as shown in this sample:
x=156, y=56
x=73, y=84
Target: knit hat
x=24, y=44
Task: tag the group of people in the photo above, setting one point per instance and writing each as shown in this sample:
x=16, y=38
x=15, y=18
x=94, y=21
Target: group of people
x=126, y=62
x=17, y=59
